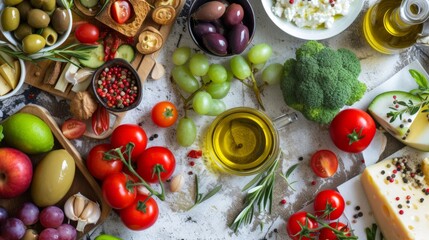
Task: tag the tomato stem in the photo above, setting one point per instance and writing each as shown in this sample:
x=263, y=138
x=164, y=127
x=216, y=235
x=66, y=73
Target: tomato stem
x=340, y=234
x=117, y=153
x=355, y=136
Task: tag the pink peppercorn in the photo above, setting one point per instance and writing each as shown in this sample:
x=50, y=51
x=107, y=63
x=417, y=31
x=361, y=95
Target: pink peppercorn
x=283, y=201
x=401, y=212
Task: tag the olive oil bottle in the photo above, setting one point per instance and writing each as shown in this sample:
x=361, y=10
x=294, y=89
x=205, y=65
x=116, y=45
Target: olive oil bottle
x=391, y=26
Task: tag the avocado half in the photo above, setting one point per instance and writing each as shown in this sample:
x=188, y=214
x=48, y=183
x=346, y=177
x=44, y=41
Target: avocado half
x=412, y=130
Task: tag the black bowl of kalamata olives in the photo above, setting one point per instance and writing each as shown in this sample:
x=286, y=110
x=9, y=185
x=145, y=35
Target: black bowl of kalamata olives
x=221, y=27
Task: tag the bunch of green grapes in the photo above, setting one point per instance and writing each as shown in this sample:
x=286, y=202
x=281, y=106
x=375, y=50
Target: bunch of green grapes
x=243, y=69
x=204, y=83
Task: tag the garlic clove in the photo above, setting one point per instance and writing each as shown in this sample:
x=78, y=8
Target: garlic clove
x=177, y=182
x=80, y=208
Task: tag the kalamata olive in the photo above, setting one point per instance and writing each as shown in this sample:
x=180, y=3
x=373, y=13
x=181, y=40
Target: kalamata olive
x=33, y=43
x=209, y=11
x=22, y=31
x=23, y=9
x=38, y=18
x=220, y=28
x=10, y=19
x=202, y=28
x=238, y=38
x=234, y=14
x=60, y=20
x=216, y=43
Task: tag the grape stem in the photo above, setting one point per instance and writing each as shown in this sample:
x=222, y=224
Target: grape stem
x=256, y=91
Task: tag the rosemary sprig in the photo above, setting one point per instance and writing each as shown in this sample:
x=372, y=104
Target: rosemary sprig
x=371, y=233
x=67, y=3
x=285, y=176
x=410, y=107
x=199, y=197
x=261, y=195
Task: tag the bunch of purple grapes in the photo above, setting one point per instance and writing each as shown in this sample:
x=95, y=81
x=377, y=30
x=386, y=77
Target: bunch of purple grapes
x=23, y=224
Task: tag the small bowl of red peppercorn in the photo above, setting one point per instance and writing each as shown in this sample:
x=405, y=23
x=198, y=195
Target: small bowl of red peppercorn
x=117, y=86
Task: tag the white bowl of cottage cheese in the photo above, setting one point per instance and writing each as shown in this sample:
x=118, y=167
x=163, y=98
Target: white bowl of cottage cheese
x=313, y=19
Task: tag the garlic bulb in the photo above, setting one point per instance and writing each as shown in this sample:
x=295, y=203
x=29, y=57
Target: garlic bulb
x=79, y=208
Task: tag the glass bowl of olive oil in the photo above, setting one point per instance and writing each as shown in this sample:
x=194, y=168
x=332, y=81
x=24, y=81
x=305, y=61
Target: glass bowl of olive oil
x=244, y=141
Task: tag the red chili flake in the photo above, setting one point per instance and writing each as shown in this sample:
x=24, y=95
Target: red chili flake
x=283, y=201
x=397, y=198
x=363, y=160
x=195, y=154
x=401, y=212
x=191, y=163
x=313, y=182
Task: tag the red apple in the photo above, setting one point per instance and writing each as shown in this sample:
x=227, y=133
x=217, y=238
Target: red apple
x=16, y=172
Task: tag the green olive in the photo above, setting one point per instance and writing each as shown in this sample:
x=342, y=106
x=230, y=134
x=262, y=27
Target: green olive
x=12, y=2
x=23, y=9
x=38, y=18
x=50, y=36
x=22, y=31
x=33, y=43
x=46, y=5
x=52, y=178
x=10, y=19
x=60, y=20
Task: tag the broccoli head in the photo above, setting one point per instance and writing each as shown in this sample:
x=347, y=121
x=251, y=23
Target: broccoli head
x=321, y=80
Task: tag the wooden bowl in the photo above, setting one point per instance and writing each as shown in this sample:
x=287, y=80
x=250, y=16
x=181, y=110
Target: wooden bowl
x=83, y=181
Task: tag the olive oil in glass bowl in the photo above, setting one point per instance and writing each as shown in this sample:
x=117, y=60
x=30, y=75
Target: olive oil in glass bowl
x=244, y=141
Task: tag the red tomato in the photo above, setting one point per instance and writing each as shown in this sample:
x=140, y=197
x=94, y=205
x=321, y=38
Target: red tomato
x=141, y=214
x=324, y=163
x=73, y=128
x=87, y=33
x=299, y=222
x=121, y=11
x=126, y=133
x=352, y=130
x=164, y=114
x=329, y=204
x=99, y=167
x=153, y=157
x=117, y=192
x=328, y=234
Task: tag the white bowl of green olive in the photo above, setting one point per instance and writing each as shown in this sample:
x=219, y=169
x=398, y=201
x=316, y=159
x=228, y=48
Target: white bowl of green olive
x=35, y=25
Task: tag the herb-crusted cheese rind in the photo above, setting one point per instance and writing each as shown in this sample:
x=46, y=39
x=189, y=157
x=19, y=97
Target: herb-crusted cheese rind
x=398, y=194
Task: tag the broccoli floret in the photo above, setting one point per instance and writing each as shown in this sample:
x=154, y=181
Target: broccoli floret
x=310, y=48
x=321, y=80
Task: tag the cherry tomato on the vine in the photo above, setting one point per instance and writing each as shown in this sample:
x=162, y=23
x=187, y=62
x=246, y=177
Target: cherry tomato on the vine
x=352, y=130
x=141, y=214
x=164, y=114
x=329, y=204
x=87, y=33
x=153, y=158
x=117, y=190
x=298, y=225
x=328, y=234
x=324, y=163
x=98, y=166
x=126, y=133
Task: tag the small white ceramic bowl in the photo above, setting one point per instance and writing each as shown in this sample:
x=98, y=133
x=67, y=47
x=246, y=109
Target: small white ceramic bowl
x=61, y=37
x=21, y=79
x=340, y=24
